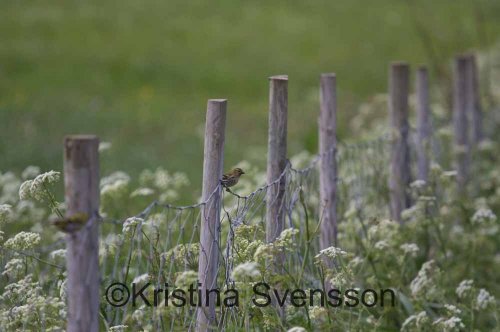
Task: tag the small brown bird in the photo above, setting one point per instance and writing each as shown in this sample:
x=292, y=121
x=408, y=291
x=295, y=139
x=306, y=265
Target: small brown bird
x=231, y=178
x=71, y=224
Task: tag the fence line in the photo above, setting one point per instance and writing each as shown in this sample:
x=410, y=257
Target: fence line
x=81, y=184
x=210, y=214
x=327, y=124
x=423, y=122
x=311, y=198
x=460, y=123
x=399, y=76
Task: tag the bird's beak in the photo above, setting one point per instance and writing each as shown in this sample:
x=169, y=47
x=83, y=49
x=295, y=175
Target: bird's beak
x=242, y=172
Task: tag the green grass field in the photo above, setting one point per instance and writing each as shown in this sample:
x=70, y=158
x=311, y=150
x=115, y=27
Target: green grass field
x=138, y=74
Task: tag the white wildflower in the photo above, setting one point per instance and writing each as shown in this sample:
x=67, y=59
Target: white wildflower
x=301, y=160
x=59, y=253
x=186, y=278
x=464, y=287
x=449, y=324
x=356, y=261
x=179, y=180
x=130, y=224
x=417, y=321
x=103, y=146
x=24, y=190
x=118, y=328
x=142, y=192
x=452, y=309
x=114, y=177
x=317, y=312
x=63, y=288
x=264, y=252
x=331, y=252
x=142, y=278
x=244, y=271
x=13, y=267
x=423, y=281
x=286, y=238
x=30, y=172
x=5, y=213
x=138, y=314
x=418, y=184
x=297, y=329
x=39, y=184
x=486, y=145
x=114, y=189
x=450, y=174
x=483, y=216
x=381, y=245
x=484, y=298
x=385, y=228
x=23, y=241
x=410, y=249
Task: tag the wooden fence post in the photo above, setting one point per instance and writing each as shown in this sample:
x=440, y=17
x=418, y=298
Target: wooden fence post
x=399, y=177
x=276, y=157
x=210, y=215
x=328, y=165
x=460, y=123
x=423, y=123
x=81, y=185
x=474, y=101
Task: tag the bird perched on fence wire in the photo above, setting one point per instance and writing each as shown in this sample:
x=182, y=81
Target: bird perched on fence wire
x=231, y=178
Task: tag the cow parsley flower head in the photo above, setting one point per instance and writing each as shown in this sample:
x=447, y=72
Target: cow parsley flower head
x=245, y=271
x=264, y=252
x=24, y=190
x=484, y=298
x=464, y=287
x=297, y=329
x=452, y=309
x=418, y=184
x=13, y=267
x=186, y=279
x=423, y=282
x=483, y=216
x=410, y=249
x=59, y=253
x=450, y=324
x=317, y=312
x=23, y=241
x=381, y=245
x=118, y=328
x=103, y=146
x=38, y=186
x=5, y=213
x=142, y=192
x=417, y=321
x=141, y=278
x=331, y=252
x=130, y=224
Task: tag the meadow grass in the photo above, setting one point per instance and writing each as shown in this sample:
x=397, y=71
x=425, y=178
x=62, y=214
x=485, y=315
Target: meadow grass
x=138, y=74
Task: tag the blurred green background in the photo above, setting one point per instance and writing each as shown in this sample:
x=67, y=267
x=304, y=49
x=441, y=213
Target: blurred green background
x=138, y=73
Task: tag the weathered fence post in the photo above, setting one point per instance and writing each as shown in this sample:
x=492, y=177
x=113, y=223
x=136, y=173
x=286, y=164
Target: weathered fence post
x=210, y=214
x=474, y=102
x=399, y=177
x=81, y=185
x=328, y=165
x=276, y=157
x=423, y=123
x=460, y=123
